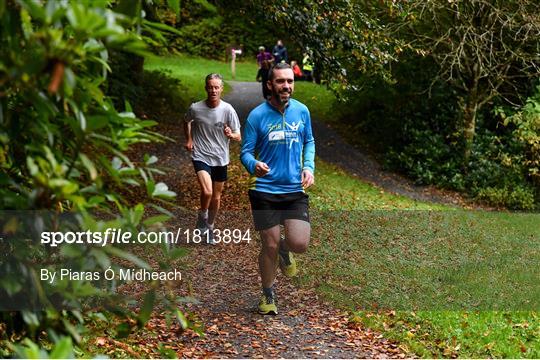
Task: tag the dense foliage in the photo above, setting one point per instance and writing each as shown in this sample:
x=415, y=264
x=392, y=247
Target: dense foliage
x=62, y=150
x=427, y=77
x=211, y=28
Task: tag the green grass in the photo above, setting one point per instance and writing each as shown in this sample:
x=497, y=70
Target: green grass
x=444, y=282
x=425, y=260
x=336, y=190
x=320, y=100
x=192, y=71
x=465, y=334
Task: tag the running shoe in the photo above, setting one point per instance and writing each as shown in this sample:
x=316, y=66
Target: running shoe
x=267, y=305
x=201, y=224
x=287, y=263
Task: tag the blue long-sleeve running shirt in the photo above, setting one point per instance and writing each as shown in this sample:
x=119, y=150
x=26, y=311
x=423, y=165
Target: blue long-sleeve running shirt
x=283, y=141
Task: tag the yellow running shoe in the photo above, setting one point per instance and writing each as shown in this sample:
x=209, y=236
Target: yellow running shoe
x=287, y=264
x=267, y=305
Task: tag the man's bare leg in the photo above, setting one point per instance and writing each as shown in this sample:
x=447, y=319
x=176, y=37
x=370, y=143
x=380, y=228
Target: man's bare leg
x=205, y=183
x=295, y=240
x=297, y=235
x=268, y=255
x=217, y=189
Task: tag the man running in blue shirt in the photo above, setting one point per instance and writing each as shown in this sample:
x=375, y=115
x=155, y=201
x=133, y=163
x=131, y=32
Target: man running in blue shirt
x=279, y=151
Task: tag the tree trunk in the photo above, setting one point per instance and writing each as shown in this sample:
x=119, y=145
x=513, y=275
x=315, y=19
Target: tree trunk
x=469, y=127
x=469, y=116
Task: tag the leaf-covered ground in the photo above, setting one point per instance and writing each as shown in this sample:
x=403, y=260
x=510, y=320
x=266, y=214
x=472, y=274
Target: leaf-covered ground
x=223, y=284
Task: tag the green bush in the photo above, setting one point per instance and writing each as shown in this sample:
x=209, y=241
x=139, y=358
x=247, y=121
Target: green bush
x=428, y=159
x=414, y=122
x=153, y=95
x=204, y=38
x=518, y=197
x=63, y=149
x=496, y=173
x=387, y=114
x=525, y=126
x=208, y=29
x=163, y=98
x=212, y=37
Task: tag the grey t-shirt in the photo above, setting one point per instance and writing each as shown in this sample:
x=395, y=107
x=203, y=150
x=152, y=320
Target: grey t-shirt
x=210, y=145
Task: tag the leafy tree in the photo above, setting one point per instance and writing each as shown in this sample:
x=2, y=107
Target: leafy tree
x=63, y=148
x=484, y=48
x=343, y=36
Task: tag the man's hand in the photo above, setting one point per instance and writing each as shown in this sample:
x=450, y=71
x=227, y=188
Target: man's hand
x=230, y=134
x=307, y=178
x=261, y=169
x=189, y=145
x=228, y=131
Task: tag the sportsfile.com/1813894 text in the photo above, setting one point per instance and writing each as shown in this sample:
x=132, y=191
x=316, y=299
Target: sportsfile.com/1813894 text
x=119, y=236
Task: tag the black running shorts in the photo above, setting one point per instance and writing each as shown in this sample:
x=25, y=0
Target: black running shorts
x=217, y=173
x=270, y=210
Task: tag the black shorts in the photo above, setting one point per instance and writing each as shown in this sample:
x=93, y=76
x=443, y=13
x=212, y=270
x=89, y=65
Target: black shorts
x=270, y=210
x=217, y=173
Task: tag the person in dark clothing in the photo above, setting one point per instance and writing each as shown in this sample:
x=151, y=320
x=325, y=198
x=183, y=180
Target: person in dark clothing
x=262, y=76
x=280, y=53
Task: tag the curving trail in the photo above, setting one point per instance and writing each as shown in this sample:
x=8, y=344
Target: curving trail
x=224, y=279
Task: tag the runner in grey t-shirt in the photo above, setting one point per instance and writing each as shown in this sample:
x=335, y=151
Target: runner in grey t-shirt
x=210, y=144
x=208, y=126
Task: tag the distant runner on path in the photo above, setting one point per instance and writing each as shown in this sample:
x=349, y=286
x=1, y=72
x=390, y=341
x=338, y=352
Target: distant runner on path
x=279, y=150
x=264, y=61
x=280, y=53
x=209, y=125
